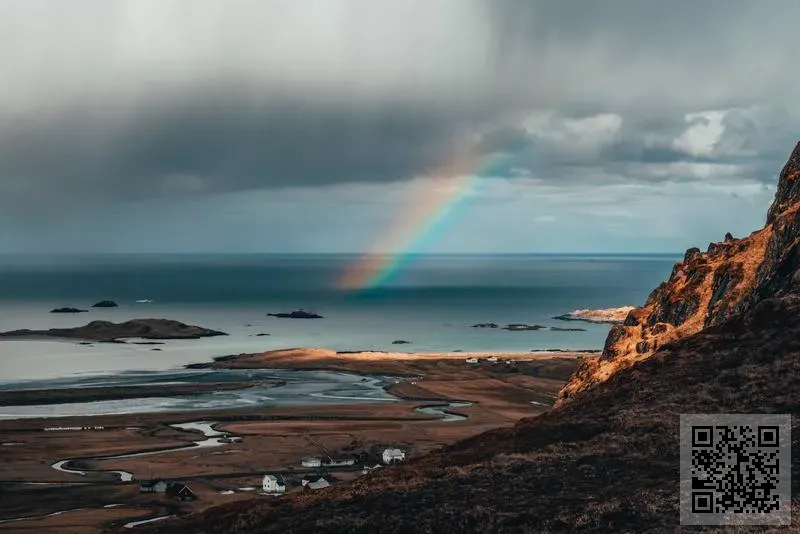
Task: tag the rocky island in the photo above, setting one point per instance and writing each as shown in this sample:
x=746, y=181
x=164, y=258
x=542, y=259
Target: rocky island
x=68, y=310
x=297, y=314
x=105, y=304
x=105, y=331
x=605, y=315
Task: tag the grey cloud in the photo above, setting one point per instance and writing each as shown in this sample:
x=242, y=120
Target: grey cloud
x=133, y=99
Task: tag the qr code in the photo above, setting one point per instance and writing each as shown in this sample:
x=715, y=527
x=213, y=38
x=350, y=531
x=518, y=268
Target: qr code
x=735, y=469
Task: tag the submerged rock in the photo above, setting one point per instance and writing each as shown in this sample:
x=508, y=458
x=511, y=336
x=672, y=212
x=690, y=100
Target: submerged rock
x=485, y=325
x=400, y=342
x=519, y=327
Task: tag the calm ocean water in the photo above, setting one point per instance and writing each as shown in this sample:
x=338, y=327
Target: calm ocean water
x=431, y=303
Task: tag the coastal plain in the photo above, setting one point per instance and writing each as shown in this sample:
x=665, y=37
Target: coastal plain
x=438, y=400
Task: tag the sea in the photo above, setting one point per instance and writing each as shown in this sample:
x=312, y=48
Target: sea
x=432, y=302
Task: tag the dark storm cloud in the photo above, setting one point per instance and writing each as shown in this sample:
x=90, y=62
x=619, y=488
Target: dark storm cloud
x=128, y=100
x=216, y=145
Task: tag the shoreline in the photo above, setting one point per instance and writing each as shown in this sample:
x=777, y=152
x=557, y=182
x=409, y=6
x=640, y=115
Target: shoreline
x=68, y=395
x=398, y=369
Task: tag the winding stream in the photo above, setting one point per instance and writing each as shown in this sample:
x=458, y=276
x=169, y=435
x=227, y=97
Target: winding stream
x=216, y=438
x=213, y=439
x=442, y=410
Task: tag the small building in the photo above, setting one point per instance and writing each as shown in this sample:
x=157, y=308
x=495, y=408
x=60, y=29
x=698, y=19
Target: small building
x=367, y=469
x=179, y=491
x=393, y=455
x=472, y=360
x=316, y=484
x=339, y=462
x=311, y=462
x=273, y=484
x=492, y=359
x=153, y=486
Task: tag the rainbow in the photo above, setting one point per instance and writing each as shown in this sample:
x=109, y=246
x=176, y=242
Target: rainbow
x=421, y=220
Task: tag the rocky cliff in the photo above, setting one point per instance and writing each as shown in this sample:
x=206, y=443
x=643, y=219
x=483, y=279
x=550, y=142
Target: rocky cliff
x=708, y=288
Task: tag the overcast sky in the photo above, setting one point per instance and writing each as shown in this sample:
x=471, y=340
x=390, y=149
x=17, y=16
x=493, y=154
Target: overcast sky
x=275, y=126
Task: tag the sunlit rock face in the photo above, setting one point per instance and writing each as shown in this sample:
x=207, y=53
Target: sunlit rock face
x=708, y=288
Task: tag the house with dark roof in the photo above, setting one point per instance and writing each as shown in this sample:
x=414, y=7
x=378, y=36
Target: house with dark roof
x=179, y=491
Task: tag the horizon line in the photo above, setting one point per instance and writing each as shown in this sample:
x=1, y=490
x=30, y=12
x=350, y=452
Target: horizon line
x=576, y=253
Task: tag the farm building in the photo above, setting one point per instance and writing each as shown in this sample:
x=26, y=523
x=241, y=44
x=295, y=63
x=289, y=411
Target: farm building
x=273, y=484
x=311, y=462
x=179, y=491
x=153, y=486
x=393, y=455
x=316, y=484
x=338, y=462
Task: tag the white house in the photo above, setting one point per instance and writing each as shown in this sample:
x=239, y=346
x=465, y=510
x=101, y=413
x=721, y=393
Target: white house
x=311, y=462
x=472, y=360
x=273, y=484
x=492, y=359
x=393, y=455
x=317, y=484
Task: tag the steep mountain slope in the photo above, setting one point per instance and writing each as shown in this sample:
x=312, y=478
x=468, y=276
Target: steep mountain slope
x=707, y=288
x=722, y=336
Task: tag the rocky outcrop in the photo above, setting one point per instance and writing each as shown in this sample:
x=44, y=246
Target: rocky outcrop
x=106, y=331
x=709, y=288
x=68, y=310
